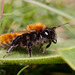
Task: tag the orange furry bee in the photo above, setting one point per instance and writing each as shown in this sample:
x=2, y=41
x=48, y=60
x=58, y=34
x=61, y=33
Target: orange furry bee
x=34, y=34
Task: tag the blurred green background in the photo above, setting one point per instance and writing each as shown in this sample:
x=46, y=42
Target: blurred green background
x=17, y=14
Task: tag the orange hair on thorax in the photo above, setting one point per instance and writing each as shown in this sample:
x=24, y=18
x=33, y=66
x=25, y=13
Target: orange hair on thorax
x=36, y=27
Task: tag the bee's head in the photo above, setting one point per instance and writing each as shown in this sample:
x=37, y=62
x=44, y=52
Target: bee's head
x=50, y=33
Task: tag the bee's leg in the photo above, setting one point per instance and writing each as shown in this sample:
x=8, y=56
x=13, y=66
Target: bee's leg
x=30, y=49
x=41, y=47
x=46, y=47
x=11, y=48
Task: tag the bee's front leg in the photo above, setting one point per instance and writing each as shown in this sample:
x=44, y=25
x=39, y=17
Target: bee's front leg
x=46, y=47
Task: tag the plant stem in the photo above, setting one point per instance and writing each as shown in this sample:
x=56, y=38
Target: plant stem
x=22, y=69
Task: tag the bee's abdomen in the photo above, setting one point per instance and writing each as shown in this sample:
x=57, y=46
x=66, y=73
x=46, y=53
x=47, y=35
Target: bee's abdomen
x=6, y=39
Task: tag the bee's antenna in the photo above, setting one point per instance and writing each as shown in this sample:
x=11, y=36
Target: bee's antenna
x=62, y=24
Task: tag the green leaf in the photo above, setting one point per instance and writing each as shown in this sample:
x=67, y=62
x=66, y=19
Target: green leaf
x=20, y=56
x=68, y=54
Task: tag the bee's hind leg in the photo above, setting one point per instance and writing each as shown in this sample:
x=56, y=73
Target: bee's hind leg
x=11, y=48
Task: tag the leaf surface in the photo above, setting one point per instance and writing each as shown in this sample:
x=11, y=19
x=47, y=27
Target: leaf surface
x=68, y=55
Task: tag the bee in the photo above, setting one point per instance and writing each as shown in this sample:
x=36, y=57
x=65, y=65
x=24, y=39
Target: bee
x=34, y=34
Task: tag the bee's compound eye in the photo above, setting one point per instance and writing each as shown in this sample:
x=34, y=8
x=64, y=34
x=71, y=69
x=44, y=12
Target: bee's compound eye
x=46, y=33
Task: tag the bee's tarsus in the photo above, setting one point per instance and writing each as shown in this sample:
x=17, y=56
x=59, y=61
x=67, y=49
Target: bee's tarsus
x=46, y=47
x=5, y=55
x=30, y=52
